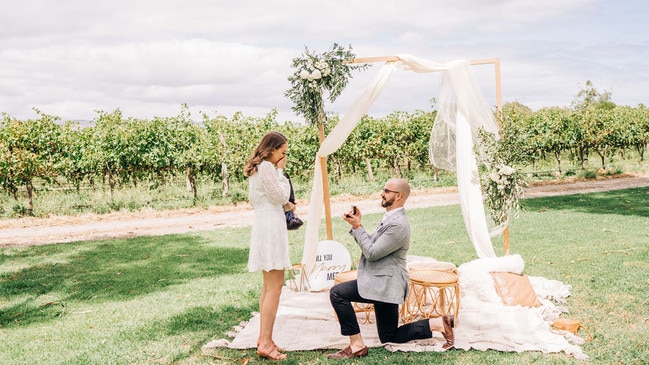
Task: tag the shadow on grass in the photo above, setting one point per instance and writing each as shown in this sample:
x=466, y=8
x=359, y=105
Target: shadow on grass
x=624, y=202
x=212, y=321
x=111, y=271
x=196, y=325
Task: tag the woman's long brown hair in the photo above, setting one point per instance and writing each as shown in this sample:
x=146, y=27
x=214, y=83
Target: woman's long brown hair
x=269, y=143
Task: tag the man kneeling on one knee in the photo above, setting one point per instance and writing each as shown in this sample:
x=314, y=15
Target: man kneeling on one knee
x=383, y=279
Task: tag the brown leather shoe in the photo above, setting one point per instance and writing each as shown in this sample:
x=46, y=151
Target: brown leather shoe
x=449, y=323
x=347, y=353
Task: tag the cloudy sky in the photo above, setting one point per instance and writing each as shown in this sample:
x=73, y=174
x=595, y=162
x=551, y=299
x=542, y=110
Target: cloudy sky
x=71, y=58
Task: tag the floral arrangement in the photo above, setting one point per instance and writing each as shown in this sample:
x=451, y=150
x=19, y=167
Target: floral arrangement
x=316, y=73
x=501, y=183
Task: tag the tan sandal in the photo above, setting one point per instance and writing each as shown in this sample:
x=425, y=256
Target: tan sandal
x=274, y=355
x=277, y=347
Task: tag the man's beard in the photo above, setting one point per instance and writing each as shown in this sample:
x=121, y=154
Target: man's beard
x=386, y=203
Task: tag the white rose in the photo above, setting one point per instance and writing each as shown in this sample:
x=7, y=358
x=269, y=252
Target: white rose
x=323, y=67
x=304, y=74
x=501, y=187
x=316, y=75
x=507, y=170
x=494, y=176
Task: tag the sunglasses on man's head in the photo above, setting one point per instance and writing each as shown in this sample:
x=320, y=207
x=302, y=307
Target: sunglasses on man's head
x=390, y=191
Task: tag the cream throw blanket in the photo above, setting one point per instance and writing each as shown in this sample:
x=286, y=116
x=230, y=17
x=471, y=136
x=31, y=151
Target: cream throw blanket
x=306, y=321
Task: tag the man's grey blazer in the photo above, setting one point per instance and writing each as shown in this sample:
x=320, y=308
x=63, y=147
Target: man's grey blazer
x=382, y=271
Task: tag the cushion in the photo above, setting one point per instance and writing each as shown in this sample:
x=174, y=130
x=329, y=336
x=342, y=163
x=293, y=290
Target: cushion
x=515, y=289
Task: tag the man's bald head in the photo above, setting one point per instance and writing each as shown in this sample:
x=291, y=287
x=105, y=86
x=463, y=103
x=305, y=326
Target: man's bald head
x=395, y=193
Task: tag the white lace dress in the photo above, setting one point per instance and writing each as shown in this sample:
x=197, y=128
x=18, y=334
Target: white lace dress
x=268, y=190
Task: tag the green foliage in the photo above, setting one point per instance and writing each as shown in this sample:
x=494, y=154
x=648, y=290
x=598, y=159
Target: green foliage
x=502, y=185
x=74, y=164
x=561, y=132
x=590, y=97
x=316, y=74
x=29, y=150
x=110, y=149
x=118, y=153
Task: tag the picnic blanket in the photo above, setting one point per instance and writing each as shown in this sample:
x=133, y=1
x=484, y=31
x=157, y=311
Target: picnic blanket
x=306, y=320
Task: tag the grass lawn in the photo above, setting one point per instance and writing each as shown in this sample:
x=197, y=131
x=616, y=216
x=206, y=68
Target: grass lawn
x=157, y=300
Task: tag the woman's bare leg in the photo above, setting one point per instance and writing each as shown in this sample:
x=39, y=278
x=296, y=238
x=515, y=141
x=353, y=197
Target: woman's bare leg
x=268, y=304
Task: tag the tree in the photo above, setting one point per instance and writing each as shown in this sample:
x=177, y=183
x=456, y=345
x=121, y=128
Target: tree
x=28, y=151
x=518, y=133
x=111, y=148
x=589, y=97
x=552, y=132
x=74, y=165
x=517, y=108
x=639, y=128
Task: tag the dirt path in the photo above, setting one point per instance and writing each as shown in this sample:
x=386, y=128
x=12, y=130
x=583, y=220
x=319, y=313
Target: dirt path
x=38, y=231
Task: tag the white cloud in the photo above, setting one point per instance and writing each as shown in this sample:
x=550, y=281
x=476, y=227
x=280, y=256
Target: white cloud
x=70, y=58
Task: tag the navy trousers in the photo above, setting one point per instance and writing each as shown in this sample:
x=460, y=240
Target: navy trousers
x=387, y=316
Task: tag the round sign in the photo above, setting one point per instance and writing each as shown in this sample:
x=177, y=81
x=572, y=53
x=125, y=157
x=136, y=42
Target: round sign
x=331, y=258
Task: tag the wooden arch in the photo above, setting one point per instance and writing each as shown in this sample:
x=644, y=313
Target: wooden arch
x=387, y=59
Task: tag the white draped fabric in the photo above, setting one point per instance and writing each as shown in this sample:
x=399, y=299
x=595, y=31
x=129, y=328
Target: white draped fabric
x=462, y=112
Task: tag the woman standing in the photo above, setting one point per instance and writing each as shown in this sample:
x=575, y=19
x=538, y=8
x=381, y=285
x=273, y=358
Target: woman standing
x=268, y=194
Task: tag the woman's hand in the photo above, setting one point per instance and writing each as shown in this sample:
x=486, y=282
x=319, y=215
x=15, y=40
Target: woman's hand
x=289, y=206
x=281, y=164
